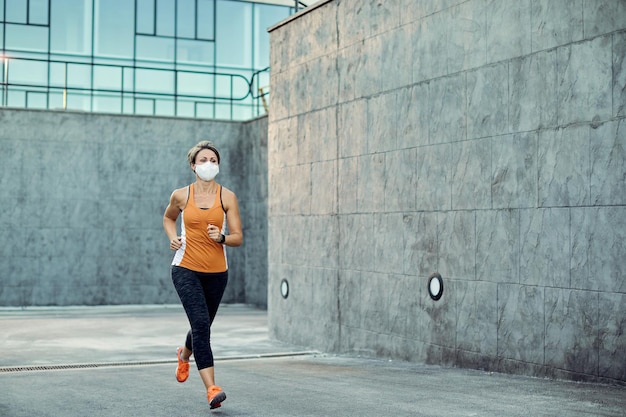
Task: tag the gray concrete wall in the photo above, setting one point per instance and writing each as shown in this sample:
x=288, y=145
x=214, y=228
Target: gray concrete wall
x=83, y=197
x=480, y=139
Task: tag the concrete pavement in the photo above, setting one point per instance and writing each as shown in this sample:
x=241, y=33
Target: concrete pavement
x=120, y=361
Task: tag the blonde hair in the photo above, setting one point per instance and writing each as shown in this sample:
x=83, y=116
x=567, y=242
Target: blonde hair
x=205, y=144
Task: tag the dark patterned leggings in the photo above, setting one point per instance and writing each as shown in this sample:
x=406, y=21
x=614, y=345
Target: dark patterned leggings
x=200, y=294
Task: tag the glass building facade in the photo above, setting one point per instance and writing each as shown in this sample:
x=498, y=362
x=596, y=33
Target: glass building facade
x=184, y=58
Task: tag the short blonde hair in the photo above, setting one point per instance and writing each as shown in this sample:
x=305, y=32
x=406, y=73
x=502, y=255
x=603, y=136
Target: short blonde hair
x=205, y=144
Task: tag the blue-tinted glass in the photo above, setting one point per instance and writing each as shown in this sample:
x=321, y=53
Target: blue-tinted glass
x=70, y=26
x=55, y=100
x=234, y=34
x=114, y=31
x=35, y=100
x=1, y=11
x=145, y=16
x=205, y=110
x=38, y=12
x=1, y=35
x=107, y=78
x=144, y=106
x=196, y=84
x=79, y=76
x=154, y=81
x=186, y=24
x=235, y=85
x=164, y=108
x=107, y=103
x=57, y=74
x=30, y=38
x=127, y=105
x=129, y=78
x=198, y=52
x=16, y=11
x=78, y=101
x=155, y=49
x=22, y=71
x=264, y=17
x=165, y=17
x=205, y=19
x=184, y=108
x=16, y=98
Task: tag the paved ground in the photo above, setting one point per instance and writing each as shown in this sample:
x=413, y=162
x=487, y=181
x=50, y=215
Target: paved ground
x=119, y=361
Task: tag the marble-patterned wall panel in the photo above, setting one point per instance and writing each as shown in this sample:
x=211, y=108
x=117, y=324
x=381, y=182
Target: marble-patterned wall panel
x=456, y=244
x=497, y=245
x=371, y=183
x=307, y=138
x=350, y=298
x=441, y=316
x=545, y=247
x=388, y=247
x=448, y=118
x=356, y=251
x=434, y=177
x=521, y=332
x=471, y=174
x=584, y=83
x=324, y=85
x=477, y=312
x=619, y=74
x=22, y=277
x=612, y=336
x=301, y=78
x=487, y=101
x=381, y=123
x=420, y=244
x=279, y=51
x=322, y=247
x=320, y=36
x=352, y=128
x=608, y=163
x=599, y=248
x=375, y=302
x=412, y=10
x=507, y=27
x=563, y=167
x=572, y=330
x=350, y=17
x=296, y=238
x=346, y=185
x=428, y=40
x=532, y=92
x=279, y=199
x=405, y=314
x=514, y=171
x=323, y=187
x=466, y=42
x=12, y=167
x=274, y=242
x=369, y=77
x=397, y=63
x=384, y=15
x=281, y=85
x=412, y=116
x=400, y=180
x=325, y=147
x=349, y=68
x=603, y=16
x=300, y=189
x=556, y=23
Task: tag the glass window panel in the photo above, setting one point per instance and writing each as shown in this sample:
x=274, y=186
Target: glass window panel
x=127, y=106
x=1, y=11
x=205, y=110
x=129, y=77
x=265, y=16
x=55, y=100
x=223, y=111
x=234, y=85
x=107, y=78
x=78, y=76
x=38, y=12
x=191, y=51
x=70, y=26
x=145, y=16
x=206, y=18
x=234, y=34
x=16, y=98
x=107, y=103
x=186, y=23
x=164, y=108
x=28, y=72
x=16, y=11
x=195, y=84
x=114, y=31
x=184, y=108
x=78, y=101
x=31, y=38
x=144, y=106
x=1, y=34
x=57, y=74
x=36, y=100
x=165, y=17
x=155, y=49
x=154, y=81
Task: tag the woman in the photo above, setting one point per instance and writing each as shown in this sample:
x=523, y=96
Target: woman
x=200, y=267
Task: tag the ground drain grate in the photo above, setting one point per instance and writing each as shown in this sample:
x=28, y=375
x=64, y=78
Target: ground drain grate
x=5, y=369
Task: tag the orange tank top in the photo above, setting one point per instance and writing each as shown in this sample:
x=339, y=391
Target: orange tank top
x=198, y=251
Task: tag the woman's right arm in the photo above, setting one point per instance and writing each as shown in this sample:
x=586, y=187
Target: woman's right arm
x=170, y=216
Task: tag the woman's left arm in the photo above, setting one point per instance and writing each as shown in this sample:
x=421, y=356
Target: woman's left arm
x=235, y=234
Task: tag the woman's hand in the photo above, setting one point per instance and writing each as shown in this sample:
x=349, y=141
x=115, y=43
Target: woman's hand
x=214, y=233
x=176, y=243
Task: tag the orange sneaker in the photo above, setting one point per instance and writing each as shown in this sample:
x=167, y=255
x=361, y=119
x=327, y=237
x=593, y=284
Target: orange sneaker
x=182, y=370
x=215, y=395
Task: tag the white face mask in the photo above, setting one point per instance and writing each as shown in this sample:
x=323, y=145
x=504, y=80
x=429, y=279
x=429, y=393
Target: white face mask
x=207, y=171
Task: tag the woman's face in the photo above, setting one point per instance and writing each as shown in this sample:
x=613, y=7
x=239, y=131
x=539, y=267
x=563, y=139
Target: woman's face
x=206, y=155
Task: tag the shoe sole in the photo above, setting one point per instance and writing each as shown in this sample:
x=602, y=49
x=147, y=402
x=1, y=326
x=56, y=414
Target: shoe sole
x=216, y=402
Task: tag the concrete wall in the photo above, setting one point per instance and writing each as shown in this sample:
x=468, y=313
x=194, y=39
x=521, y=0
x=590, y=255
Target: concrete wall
x=83, y=196
x=480, y=139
